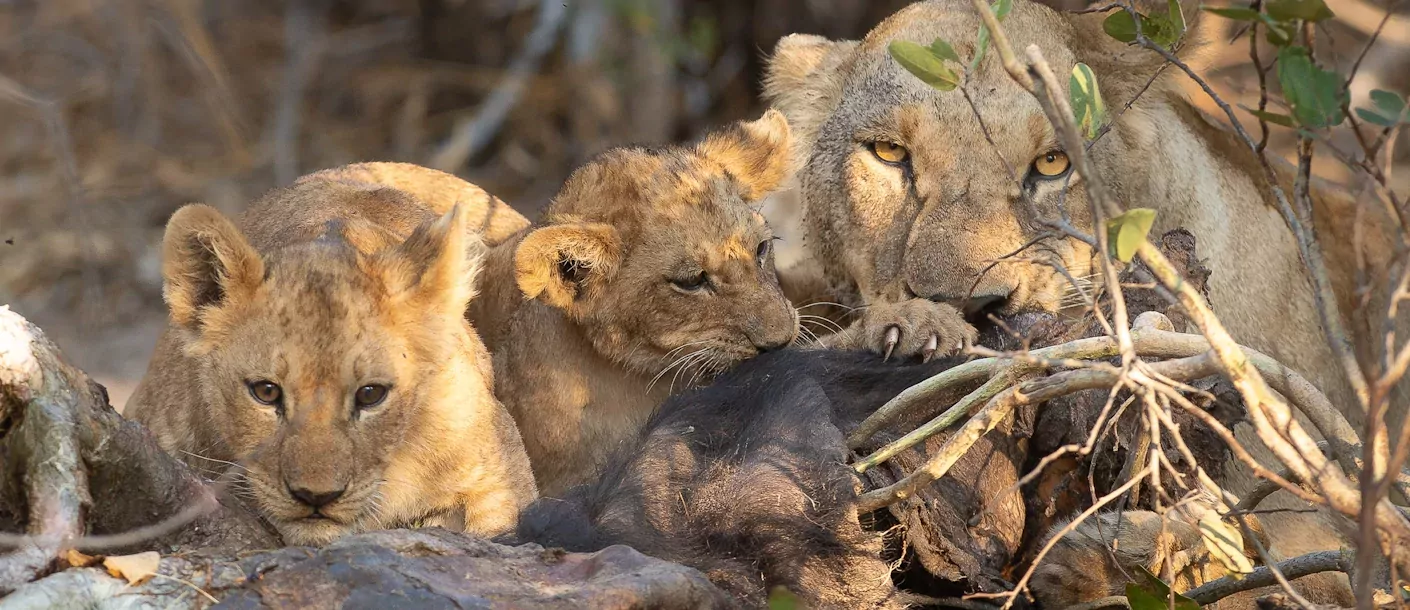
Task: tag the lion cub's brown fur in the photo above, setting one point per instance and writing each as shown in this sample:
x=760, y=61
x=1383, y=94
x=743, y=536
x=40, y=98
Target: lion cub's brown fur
x=337, y=283
x=650, y=270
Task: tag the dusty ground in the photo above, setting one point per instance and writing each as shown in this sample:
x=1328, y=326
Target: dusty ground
x=115, y=112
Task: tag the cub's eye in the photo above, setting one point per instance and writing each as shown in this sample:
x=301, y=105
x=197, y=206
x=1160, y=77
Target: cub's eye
x=266, y=392
x=693, y=283
x=890, y=152
x=369, y=396
x=1052, y=164
x=765, y=247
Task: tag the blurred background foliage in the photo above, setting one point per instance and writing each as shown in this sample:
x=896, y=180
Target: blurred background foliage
x=113, y=113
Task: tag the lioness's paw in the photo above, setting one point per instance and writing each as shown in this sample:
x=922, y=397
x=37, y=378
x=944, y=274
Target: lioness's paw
x=916, y=327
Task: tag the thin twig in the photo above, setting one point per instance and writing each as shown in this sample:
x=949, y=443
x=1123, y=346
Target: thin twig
x=472, y=134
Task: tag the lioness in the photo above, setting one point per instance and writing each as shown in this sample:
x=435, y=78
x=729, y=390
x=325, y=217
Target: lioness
x=648, y=271
x=907, y=203
x=320, y=349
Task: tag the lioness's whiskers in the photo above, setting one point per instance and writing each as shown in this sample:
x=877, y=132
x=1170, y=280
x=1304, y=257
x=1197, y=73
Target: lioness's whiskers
x=826, y=323
x=818, y=303
x=208, y=459
x=806, y=337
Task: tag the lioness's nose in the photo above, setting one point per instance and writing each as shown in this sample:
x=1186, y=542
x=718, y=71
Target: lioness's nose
x=316, y=499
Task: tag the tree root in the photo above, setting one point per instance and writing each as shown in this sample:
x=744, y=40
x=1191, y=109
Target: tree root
x=77, y=475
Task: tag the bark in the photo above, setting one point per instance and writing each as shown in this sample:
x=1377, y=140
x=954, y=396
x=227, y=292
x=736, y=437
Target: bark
x=405, y=569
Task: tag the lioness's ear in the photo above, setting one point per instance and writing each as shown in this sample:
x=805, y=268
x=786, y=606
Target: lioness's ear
x=436, y=265
x=1122, y=69
x=757, y=153
x=206, y=262
x=803, y=79
x=557, y=264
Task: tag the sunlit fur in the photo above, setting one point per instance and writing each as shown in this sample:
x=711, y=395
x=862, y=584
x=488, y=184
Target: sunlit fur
x=1106, y=551
x=587, y=329
x=322, y=288
x=881, y=234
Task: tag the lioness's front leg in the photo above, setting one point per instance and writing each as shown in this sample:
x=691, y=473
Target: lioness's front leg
x=914, y=327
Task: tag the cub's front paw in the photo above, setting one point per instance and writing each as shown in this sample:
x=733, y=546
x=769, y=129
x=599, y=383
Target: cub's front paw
x=916, y=327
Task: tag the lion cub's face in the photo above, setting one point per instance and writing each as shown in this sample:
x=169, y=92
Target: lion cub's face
x=324, y=366
x=909, y=194
x=661, y=256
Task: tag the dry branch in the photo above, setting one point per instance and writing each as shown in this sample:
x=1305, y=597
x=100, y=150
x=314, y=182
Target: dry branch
x=472, y=134
x=1148, y=342
x=75, y=474
x=1292, y=569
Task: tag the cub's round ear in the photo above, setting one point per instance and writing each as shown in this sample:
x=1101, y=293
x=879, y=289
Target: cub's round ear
x=759, y=154
x=559, y=264
x=437, y=265
x=206, y=263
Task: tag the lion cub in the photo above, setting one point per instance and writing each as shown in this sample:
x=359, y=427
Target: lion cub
x=650, y=270
x=320, y=346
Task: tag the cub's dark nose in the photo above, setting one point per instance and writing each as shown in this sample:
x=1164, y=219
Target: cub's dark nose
x=771, y=345
x=316, y=499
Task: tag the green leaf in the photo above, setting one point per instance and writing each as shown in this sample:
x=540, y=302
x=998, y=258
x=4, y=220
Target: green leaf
x=780, y=598
x=1155, y=595
x=1086, y=99
x=943, y=50
x=1177, y=19
x=1276, y=34
x=1126, y=233
x=1306, y=10
x=1001, y=9
x=918, y=60
x=1388, y=101
x=1316, y=95
x=1237, y=13
x=1271, y=117
x=1164, y=30
x=1389, y=109
x=1121, y=26
x=1374, y=118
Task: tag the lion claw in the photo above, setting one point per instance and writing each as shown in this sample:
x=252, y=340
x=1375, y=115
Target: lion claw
x=930, y=347
x=893, y=337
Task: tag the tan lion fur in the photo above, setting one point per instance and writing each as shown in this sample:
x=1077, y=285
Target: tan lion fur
x=1104, y=553
x=882, y=235
x=338, y=281
x=588, y=332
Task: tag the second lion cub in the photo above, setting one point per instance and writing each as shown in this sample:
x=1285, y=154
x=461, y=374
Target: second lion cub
x=650, y=270
x=320, y=348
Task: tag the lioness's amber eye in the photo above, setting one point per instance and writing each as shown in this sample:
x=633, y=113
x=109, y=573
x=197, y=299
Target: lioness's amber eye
x=370, y=395
x=1052, y=164
x=266, y=392
x=889, y=152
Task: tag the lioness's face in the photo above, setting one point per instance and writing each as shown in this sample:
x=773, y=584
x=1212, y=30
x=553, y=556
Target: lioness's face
x=906, y=195
x=325, y=371
x=662, y=257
